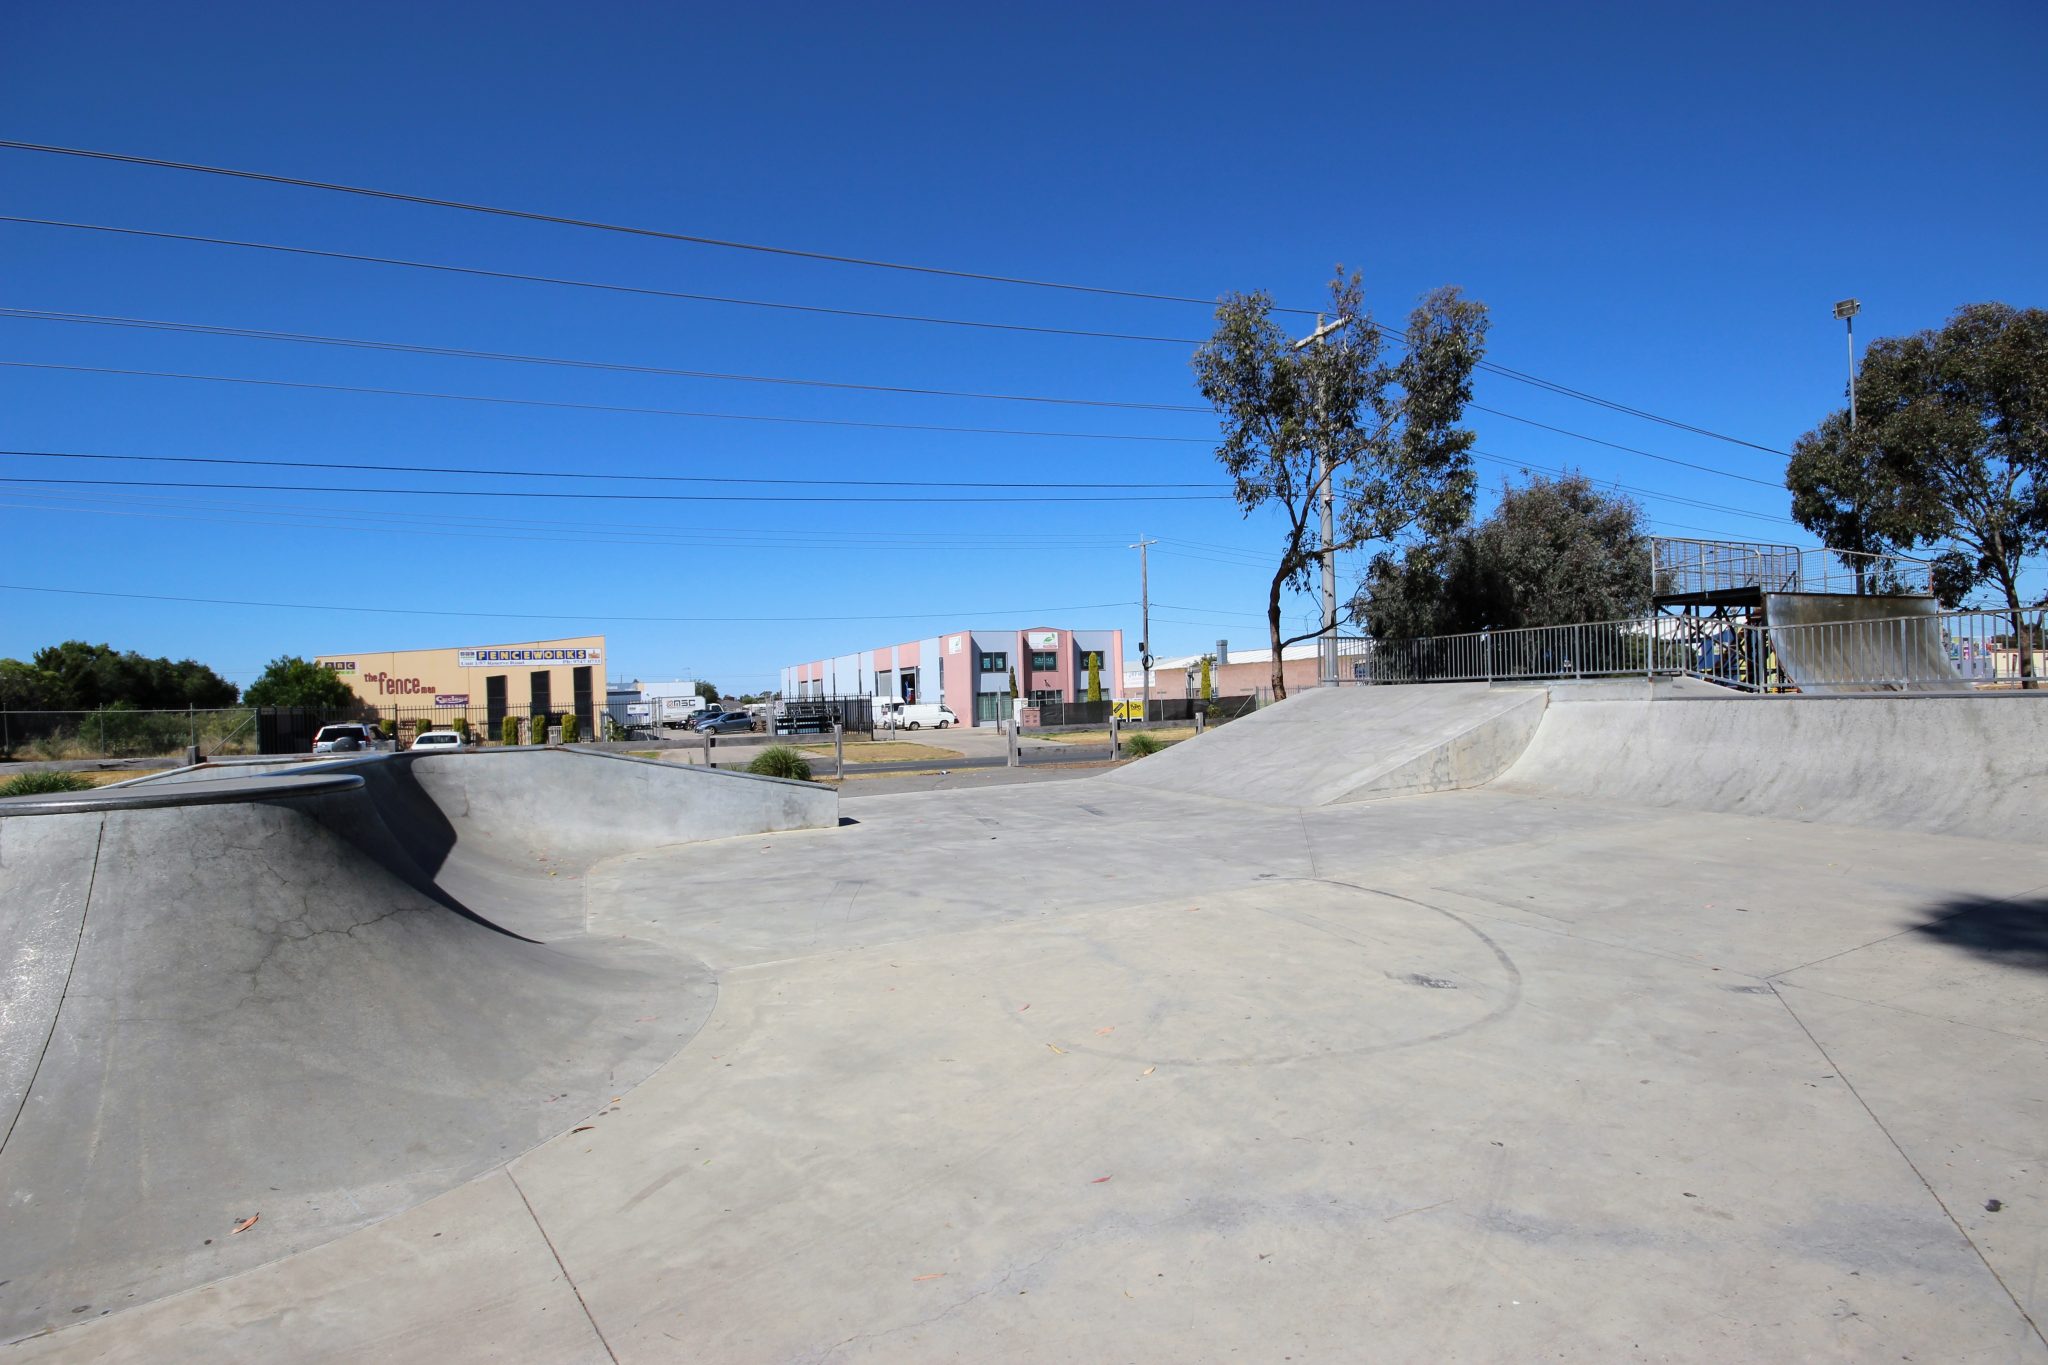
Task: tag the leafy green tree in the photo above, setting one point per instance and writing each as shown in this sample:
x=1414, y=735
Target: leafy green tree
x=291, y=681
x=1013, y=682
x=24, y=687
x=1950, y=453
x=1208, y=684
x=1388, y=428
x=90, y=676
x=709, y=692
x=1838, y=496
x=1554, y=552
x=1094, y=677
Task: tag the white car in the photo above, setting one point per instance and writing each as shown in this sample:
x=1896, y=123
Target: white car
x=440, y=741
x=918, y=714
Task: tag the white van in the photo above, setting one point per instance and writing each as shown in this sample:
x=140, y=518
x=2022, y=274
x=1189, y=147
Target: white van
x=914, y=715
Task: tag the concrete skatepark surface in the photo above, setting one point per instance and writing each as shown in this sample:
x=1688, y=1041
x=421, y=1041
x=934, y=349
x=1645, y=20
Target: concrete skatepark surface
x=1613, y=1056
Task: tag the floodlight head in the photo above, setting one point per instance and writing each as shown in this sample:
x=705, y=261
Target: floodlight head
x=1848, y=308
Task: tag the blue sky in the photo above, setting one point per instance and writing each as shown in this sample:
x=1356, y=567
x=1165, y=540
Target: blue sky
x=1658, y=204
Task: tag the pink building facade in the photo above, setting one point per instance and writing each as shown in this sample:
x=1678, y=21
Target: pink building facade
x=969, y=670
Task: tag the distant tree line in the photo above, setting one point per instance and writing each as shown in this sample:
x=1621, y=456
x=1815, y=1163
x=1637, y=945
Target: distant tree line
x=77, y=676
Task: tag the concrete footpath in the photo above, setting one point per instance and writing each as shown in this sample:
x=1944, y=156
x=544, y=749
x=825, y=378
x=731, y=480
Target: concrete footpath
x=1091, y=1069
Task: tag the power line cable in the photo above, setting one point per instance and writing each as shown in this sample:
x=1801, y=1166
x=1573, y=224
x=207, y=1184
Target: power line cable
x=485, y=273
x=1513, y=463
x=466, y=353
x=648, y=291
x=553, y=616
x=1631, y=450
x=294, y=519
x=599, y=407
x=707, y=535
x=597, y=225
x=585, y=474
x=603, y=497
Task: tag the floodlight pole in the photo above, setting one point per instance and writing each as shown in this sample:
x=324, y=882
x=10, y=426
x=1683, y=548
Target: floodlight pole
x=1327, y=649
x=1847, y=310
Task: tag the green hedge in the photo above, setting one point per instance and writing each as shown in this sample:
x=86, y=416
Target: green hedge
x=571, y=725
x=508, y=731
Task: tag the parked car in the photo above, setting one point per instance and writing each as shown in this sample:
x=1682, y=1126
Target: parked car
x=916, y=715
x=725, y=723
x=344, y=739
x=440, y=741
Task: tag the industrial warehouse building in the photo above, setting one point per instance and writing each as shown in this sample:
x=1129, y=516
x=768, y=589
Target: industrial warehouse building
x=969, y=670
x=482, y=683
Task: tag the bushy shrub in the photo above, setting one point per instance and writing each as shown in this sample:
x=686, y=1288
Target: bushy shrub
x=1138, y=744
x=508, y=731
x=571, y=727
x=779, y=760
x=43, y=784
x=460, y=725
x=537, y=729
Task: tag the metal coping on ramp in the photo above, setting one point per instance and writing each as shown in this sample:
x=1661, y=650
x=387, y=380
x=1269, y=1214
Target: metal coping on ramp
x=228, y=791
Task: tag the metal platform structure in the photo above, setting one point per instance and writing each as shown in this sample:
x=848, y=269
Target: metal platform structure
x=1720, y=596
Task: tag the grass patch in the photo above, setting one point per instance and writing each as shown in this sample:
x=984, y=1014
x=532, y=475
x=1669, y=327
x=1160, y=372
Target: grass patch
x=45, y=784
x=887, y=751
x=779, y=760
x=1142, y=742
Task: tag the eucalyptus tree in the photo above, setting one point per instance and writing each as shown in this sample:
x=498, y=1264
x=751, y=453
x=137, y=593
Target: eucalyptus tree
x=1379, y=424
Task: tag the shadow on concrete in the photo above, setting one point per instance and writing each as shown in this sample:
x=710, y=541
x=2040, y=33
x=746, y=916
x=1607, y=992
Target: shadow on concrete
x=2012, y=931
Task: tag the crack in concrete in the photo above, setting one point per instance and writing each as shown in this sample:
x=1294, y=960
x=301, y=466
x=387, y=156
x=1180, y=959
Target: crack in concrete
x=1914, y=1167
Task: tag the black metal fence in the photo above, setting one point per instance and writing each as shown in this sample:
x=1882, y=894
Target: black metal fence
x=1053, y=714
x=817, y=715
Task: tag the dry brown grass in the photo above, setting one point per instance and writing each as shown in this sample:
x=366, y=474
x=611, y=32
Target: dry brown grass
x=1165, y=734
x=887, y=751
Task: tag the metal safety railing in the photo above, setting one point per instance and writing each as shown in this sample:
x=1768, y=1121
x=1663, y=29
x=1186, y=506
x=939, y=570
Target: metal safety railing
x=1595, y=649
x=1939, y=651
x=1933, y=651
x=1680, y=568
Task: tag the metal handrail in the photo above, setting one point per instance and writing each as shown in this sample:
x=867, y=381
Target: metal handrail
x=1681, y=566
x=1946, y=651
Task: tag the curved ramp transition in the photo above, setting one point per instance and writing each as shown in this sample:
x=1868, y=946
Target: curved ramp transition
x=315, y=1000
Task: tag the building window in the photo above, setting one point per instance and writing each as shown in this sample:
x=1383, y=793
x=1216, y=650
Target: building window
x=1045, y=660
x=494, y=701
x=586, y=701
x=537, y=685
x=992, y=706
x=994, y=663
x=1044, y=697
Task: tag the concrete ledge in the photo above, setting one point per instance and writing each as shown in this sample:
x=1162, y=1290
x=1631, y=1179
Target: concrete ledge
x=1957, y=765
x=1352, y=744
x=225, y=792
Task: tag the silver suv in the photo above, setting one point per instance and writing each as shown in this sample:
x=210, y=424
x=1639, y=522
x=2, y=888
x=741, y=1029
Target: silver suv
x=344, y=739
